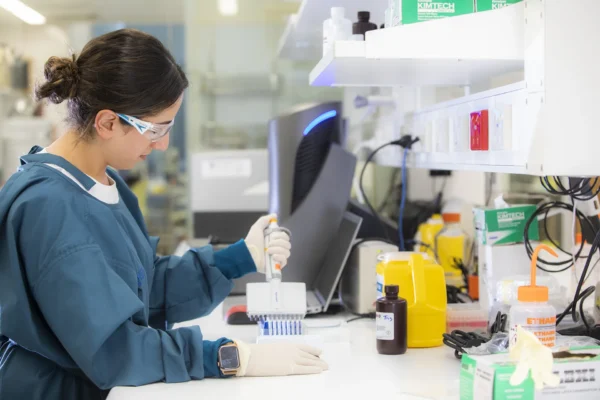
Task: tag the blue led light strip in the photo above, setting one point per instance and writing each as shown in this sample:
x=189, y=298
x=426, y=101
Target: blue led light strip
x=318, y=120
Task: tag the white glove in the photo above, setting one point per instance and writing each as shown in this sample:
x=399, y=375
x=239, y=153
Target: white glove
x=279, y=359
x=279, y=247
x=531, y=354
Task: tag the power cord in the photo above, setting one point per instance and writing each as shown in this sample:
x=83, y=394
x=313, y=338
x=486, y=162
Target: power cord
x=405, y=141
x=580, y=188
x=545, y=209
x=403, y=200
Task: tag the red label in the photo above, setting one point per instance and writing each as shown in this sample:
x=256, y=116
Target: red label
x=480, y=130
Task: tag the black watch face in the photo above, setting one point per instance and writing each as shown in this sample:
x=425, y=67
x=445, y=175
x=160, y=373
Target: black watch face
x=229, y=357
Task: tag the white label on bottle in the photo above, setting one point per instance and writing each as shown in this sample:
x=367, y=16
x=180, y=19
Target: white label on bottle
x=384, y=323
x=380, y=286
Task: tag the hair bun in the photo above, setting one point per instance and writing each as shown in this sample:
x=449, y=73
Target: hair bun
x=62, y=79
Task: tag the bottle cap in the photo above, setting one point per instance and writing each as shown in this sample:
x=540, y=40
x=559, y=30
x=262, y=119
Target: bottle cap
x=451, y=217
x=337, y=12
x=534, y=293
x=391, y=290
x=364, y=16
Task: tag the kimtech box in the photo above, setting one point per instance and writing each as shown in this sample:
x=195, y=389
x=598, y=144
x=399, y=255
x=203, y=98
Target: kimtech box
x=496, y=226
x=488, y=377
x=486, y=5
x=427, y=10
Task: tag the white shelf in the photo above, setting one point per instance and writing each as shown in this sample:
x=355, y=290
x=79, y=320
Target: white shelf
x=302, y=38
x=486, y=161
x=451, y=51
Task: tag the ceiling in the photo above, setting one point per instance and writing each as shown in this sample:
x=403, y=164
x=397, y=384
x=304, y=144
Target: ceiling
x=151, y=11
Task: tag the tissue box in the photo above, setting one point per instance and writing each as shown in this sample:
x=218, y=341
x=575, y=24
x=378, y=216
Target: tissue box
x=495, y=226
x=426, y=10
x=486, y=5
x=487, y=377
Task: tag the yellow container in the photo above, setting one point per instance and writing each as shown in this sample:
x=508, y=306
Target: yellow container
x=427, y=233
x=423, y=285
x=450, y=245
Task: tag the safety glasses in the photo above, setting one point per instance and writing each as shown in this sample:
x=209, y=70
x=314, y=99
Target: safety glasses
x=151, y=131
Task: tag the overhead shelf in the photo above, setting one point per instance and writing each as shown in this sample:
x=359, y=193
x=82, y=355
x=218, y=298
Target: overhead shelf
x=454, y=51
x=302, y=38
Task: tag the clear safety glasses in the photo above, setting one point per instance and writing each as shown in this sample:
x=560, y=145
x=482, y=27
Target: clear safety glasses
x=151, y=131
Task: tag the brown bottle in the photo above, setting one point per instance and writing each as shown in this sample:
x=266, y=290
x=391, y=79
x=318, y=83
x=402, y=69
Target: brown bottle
x=391, y=322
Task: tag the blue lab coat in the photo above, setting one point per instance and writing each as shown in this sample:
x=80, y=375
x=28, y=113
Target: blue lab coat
x=85, y=303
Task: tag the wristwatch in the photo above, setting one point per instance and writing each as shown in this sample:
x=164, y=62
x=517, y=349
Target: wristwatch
x=229, y=359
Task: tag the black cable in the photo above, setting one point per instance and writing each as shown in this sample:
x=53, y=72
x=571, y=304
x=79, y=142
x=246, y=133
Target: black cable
x=405, y=142
x=573, y=305
x=357, y=318
x=583, y=190
x=386, y=199
x=362, y=190
x=543, y=209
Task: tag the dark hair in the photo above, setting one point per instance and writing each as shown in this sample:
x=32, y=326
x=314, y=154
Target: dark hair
x=126, y=71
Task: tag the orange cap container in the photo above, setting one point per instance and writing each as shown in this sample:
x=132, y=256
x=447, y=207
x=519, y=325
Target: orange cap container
x=534, y=293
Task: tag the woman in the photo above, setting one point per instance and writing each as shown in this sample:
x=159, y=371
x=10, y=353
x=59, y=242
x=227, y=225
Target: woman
x=85, y=303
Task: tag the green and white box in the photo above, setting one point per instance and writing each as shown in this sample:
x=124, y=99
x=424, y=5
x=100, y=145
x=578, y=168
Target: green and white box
x=486, y=5
x=504, y=225
x=427, y=10
x=488, y=377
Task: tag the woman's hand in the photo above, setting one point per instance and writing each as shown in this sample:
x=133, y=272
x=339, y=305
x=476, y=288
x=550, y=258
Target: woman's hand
x=279, y=359
x=279, y=246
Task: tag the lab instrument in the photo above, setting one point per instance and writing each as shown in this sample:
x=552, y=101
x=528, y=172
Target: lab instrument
x=359, y=283
x=278, y=307
x=310, y=178
x=229, y=191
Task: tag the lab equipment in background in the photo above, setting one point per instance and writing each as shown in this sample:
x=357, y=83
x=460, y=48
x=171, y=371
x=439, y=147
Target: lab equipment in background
x=423, y=285
x=310, y=176
x=390, y=321
x=358, y=285
x=17, y=136
x=363, y=25
x=451, y=244
x=426, y=234
x=468, y=317
x=229, y=192
x=533, y=313
x=335, y=28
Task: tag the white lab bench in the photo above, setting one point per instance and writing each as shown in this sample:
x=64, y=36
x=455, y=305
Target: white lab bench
x=356, y=370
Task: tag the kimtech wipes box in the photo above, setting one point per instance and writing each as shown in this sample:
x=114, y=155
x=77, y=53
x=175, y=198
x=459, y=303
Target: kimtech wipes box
x=427, y=10
x=496, y=226
x=487, y=377
x=486, y=5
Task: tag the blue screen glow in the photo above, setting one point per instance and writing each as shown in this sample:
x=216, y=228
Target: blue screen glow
x=318, y=120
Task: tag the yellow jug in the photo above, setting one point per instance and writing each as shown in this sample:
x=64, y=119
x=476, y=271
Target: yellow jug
x=423, y=285
x=427, y=232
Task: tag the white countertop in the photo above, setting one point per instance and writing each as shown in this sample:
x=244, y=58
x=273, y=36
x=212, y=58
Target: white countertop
x=356, y=370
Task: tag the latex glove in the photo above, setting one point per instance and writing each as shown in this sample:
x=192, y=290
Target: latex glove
x=279, y=247
x=279, y=359
x=531, y=355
